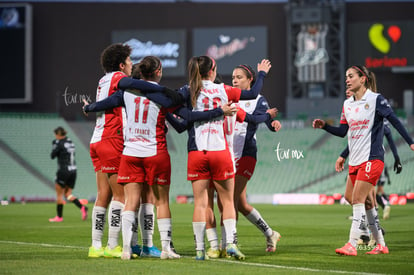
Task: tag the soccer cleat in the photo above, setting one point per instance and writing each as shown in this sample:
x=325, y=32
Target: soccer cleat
x=201, y=255
x=387, y=210
x=84, y=211
x=172, y=247
x=363, y=240
x=234, y=251
x=272, y=241
x=95, y=252
x=56, y=219
x=223, y=254
x=150, y=252
x=136, y=249
x=126, y=255
x=213, y=253
x=169, y=255
x=113, y=253
x=347, y=250
x=379, y=249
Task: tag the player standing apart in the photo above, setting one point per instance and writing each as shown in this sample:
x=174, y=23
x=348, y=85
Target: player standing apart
x=363, y=120
x=64, y=150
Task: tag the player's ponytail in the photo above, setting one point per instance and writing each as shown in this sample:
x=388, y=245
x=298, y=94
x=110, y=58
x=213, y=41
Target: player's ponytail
x=198, y=69
x=372, y=81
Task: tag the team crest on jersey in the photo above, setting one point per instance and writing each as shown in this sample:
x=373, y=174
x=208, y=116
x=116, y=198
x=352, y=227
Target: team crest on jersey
x=248, y=104
x=366, y=106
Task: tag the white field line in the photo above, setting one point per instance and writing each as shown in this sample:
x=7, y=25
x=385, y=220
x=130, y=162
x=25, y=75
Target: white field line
x=220, y=260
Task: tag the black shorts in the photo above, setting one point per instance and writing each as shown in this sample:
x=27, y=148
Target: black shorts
x=66, y=178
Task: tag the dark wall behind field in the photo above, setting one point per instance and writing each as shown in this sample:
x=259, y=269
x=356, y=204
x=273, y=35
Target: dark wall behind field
x=69, y=37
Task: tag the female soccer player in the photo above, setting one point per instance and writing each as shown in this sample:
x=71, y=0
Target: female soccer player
x=245, y=150
x=209, y=156
x=64, y=150
x=106, y=148
x=363, y=120
x=145, y=157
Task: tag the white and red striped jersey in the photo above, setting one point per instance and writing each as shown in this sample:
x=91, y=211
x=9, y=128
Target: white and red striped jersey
x=210, y=135
x=145, y=127
x=110, y=123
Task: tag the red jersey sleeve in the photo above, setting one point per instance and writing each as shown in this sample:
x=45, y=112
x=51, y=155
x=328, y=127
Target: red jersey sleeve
x=115, y=80
x=240, y=115
x=233, y=93
x=343, y=118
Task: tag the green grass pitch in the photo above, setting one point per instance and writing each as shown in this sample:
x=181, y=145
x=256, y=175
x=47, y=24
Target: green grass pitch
x=29, y=244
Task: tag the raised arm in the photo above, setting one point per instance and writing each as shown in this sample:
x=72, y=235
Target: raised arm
x=263, y=68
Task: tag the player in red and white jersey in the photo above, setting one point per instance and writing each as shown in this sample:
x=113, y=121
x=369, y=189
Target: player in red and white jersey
x=243, y=142
x=145, y=158
x=209, y=156
x=363, y=120
x=106, y=149
x=245, y=150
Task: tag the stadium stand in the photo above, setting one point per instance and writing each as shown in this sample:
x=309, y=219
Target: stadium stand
x=294, y=160
x=30, y=137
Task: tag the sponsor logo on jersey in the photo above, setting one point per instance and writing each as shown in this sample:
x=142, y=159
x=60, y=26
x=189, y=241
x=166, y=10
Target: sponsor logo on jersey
x=123, y=177
x=108, y=168
x=192, y=175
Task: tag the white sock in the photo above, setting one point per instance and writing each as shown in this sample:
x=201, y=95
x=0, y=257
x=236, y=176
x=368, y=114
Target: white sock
x=199, y=229
x=98, y=225
x=374, y=226
x=146, y=223
x=231, y=232
x=212, y=238
x=223, y=237
x=134, y=239
x=165, y=227
x=128, y=220
x=358, y=221
x=114, y=220
x=255, y=218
